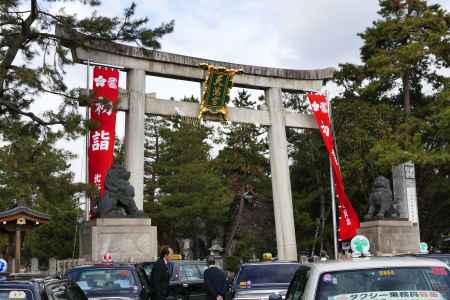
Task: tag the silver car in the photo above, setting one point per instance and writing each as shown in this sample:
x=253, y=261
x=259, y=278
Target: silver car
x=372, y=278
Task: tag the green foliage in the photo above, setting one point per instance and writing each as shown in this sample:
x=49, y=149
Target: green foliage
x=190, y=195
x=32, y=61
x=34, y=173
x=244, y=164
x=395, y=107
x=401, y=53
x=191, y=198
x=152, y=153
x=231, y=263
x=32, y=58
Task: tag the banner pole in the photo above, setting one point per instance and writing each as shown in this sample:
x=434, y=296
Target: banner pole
x=87, y=199
x=333, y=193
x=333, y=211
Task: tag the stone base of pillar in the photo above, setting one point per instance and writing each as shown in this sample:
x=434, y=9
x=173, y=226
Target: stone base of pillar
x=127, y=239
x=391, y=237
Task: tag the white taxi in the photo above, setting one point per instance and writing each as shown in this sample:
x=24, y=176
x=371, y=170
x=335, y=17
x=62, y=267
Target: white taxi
x=371, y=278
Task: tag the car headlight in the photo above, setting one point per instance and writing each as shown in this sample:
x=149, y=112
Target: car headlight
x=113, y=298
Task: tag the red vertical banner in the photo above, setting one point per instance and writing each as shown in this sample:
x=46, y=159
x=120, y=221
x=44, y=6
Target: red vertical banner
x=103, y=115
x=348, y=219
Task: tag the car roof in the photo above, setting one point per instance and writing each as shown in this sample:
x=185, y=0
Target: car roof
x=17, y=284
x=432, y=254
x=103, y=266
x=189, y=261
x=271, y=263
x=375, y=262
x=199, y=262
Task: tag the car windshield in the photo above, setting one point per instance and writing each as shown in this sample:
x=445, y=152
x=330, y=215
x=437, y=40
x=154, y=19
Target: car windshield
x=10, y=294
x=265, y=274
x=392, y=283
x=105, y=279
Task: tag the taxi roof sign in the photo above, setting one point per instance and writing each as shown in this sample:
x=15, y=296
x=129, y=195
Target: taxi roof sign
x=267, y=256
x=360, y=246
x=176, y=257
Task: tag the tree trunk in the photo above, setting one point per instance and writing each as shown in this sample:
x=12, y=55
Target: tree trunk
x=234, y=227
x=407, y=92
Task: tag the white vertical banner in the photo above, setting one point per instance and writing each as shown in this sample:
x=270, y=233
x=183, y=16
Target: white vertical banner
x=411, y=196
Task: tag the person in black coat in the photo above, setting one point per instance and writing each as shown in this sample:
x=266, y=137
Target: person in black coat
x=160, y=276
x=215, y=281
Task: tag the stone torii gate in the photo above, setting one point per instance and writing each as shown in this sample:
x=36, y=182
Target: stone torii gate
x=138, y=63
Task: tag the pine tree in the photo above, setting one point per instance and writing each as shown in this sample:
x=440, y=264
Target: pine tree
x=402, y=51
x=32, y=57
x=243, y=163
x=36, y=174
x=403, y=54
x=192, y=199
x=153, y=142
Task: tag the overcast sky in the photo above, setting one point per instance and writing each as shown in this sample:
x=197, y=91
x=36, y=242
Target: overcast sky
x=295, y=34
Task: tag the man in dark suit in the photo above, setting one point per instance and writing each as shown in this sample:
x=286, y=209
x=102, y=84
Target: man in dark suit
x=160, y=276
x=215, y=281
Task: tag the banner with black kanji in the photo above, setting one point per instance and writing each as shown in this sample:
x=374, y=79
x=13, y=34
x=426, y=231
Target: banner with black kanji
x=103, y=117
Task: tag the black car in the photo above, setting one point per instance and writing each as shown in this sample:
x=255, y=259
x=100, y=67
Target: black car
x=186, y=280
x=260, y=280
x=102, y=281
x=40, y=289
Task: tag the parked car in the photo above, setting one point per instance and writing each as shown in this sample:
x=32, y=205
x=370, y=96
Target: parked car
x=186, y=280
x=40, y=290
x=106, y=280
x=257, y=281
x=371, y=278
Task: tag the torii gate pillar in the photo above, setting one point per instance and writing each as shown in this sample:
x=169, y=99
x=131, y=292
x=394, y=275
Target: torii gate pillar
x=281, y=181
x=135, y=133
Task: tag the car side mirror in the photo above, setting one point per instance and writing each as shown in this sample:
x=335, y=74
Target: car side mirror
x=275, y=296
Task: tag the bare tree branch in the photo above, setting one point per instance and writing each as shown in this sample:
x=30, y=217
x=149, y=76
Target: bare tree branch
x=32, y=116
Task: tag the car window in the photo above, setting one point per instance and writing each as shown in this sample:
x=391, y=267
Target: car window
x=183, y=272
x=297, y=287
x=143, y=277
x=265, y=273
x=105, y=279
x=13, y=294
x=64, y=291
x=391, y=283
x=202, y=268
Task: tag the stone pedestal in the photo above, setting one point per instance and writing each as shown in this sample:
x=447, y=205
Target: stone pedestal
x=390, y=237
x=127, y=239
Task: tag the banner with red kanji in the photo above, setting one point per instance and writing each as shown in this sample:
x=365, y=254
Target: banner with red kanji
x=348, y=219
x=103, y=115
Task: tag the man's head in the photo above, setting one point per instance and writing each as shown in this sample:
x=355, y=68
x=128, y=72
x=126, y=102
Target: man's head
x=166, y=253
x=211, y=260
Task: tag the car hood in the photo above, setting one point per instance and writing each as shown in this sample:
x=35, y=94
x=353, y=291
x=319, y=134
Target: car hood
x=261, y=291
x=112, y=294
